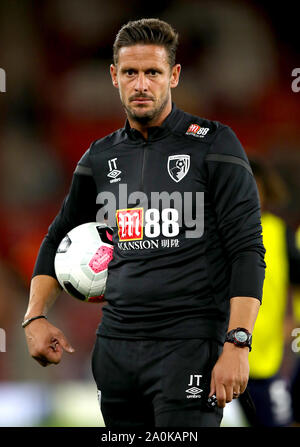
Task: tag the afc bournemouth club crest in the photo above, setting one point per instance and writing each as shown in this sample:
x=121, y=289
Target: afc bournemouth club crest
x=178, y=166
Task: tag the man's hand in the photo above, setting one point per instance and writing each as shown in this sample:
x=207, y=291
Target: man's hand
x=45, y=342
x=230, y=374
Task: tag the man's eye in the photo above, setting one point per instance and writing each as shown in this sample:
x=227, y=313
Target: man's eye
x=152, y=72
x=130, y=72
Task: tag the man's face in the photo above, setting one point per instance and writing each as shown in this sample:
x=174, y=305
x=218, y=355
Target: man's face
x=144, y=79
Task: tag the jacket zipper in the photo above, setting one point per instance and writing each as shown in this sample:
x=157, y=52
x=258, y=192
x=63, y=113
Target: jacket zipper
x=143, y=166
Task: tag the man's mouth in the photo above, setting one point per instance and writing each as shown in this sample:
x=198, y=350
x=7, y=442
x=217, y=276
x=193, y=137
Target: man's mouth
x=141, y=100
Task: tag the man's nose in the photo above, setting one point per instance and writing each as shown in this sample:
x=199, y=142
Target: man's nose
x=141, y=83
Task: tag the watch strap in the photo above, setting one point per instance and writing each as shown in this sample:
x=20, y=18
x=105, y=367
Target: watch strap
x=230, y=337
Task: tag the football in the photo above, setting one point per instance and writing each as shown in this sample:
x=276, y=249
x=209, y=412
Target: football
x=82, y=259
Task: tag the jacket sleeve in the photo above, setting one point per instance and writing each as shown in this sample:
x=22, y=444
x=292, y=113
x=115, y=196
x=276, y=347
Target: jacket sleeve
x=79, y=206
x=235, y=201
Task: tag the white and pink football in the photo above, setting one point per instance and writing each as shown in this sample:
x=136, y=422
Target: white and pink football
x=81, y=261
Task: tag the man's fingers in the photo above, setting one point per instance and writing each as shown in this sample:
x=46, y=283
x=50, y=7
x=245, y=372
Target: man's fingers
x=221, y=395
x=236, y=392
x=51, y=358
x=41, y=360
x=50, y=355
x=225, y=393
x=212, y=387
x=229, y=393
x=65, y=344
x=46, y=343
x=243, y=385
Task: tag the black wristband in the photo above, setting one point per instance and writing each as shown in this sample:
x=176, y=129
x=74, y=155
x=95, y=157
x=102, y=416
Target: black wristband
x=29, y=320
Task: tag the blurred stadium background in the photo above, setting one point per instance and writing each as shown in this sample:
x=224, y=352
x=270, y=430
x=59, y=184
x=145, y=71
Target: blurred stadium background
x=237, y=59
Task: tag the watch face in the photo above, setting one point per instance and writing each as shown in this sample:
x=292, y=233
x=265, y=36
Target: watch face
x=241, y=336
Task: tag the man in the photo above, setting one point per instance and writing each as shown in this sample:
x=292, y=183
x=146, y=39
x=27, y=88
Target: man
x=266, y=385
x=182, y=275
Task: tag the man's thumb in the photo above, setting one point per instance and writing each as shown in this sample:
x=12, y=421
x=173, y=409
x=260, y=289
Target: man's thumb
x=66, y=345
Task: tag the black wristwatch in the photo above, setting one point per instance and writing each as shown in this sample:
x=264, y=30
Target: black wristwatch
x=240, y=337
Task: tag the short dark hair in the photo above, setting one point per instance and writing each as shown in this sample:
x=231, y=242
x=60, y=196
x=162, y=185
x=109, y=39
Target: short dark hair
x=147, y=31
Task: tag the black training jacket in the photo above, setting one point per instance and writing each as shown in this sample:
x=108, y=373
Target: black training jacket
x=187, y=235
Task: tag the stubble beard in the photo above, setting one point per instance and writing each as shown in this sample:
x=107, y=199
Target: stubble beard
x=147, y=117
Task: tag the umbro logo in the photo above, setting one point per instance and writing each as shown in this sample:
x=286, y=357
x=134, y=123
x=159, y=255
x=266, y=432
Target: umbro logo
x=194, y=392
x=113, y=171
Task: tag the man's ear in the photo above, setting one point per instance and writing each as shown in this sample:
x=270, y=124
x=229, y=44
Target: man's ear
x=175, y=75
x=113, y=73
